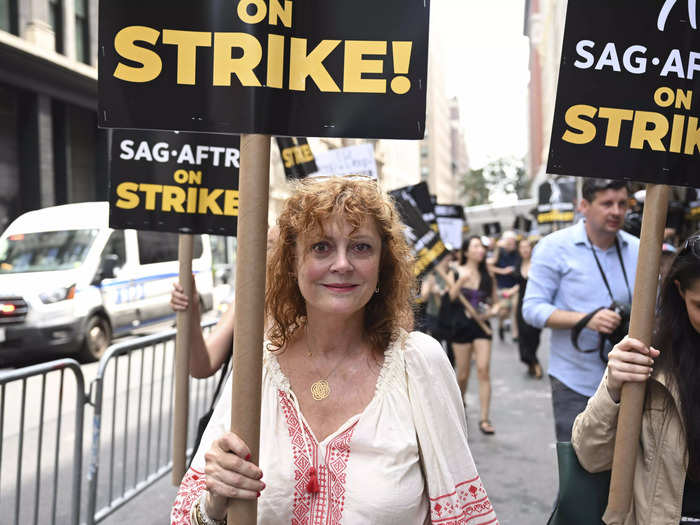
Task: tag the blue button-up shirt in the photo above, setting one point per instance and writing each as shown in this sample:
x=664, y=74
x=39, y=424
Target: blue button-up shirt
x=565, y=276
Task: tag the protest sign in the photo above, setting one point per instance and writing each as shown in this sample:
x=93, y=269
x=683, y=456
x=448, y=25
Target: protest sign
x=350, y=160
x=626, y=107
x=297, y=158
x=174, y=182
x=426, y=245
x=626, y=110
x=314, y=68
x=492, y=229
x=421, y=199
x=450, y=221
x=556, y=212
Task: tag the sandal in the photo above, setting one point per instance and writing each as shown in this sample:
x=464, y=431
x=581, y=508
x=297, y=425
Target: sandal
x=486, y=427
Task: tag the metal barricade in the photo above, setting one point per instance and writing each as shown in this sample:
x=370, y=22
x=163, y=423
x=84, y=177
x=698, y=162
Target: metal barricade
x=132, y=396
x=21, y=442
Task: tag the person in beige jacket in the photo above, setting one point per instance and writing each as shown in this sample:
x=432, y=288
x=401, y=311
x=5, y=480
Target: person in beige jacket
x=667, y=472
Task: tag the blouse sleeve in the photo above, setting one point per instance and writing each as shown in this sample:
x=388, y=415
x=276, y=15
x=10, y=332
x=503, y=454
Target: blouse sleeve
x=455, y=491
x=193, y=483
x=594, y=430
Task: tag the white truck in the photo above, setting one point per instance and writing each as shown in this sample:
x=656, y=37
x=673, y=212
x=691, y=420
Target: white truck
x=68, y=282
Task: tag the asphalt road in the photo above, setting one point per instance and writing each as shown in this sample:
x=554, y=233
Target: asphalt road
x=517, y=464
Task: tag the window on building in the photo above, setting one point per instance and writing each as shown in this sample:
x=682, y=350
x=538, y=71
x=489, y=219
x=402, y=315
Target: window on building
x=56, y=22
x=82, y=33
x=8, y=16
x=157, y=247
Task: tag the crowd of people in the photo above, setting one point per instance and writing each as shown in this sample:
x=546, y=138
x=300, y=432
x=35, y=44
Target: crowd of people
x=353, y=389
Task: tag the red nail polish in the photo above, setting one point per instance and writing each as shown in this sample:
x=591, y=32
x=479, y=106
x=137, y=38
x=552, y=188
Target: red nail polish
x=258, y=494
x=247, y=458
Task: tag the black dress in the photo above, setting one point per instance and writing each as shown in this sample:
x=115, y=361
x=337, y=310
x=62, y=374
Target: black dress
x=528, y=336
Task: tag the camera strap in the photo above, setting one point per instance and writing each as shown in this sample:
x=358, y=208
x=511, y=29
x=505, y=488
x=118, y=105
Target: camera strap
x=576, y=330
x=602, y=273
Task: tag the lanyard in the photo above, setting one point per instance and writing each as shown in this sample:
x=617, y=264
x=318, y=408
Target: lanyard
x=602, y=273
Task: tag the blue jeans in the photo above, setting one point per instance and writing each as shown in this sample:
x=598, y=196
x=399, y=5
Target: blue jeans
x=566, y=404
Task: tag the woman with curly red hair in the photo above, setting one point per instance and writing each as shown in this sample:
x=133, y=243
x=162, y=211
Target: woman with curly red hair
x=361, y=421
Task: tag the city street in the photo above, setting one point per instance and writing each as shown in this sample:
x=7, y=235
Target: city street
x=135, y=432
x=517, y=464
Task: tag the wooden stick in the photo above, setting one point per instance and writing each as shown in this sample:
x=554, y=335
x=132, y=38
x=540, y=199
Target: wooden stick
x=250, y=301
x=474, y=314
x=629, y=421
x=182, y=359
x=470, y=309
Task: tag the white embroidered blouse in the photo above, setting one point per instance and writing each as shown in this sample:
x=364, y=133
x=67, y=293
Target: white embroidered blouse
x=369, y=471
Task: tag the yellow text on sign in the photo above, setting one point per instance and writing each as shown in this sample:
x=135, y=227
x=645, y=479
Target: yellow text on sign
x=137, y=44
x=657, y=131
x=297, y=155
x=168, y=198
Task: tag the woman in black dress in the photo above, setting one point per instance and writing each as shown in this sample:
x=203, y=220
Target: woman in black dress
x=529, y=335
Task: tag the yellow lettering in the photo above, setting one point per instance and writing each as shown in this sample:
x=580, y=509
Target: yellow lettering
x=231, y=203
x=677, y=133
x=586, y=130
x=207, y=201
x=225, y=66
x=692, y=136
x=125, y=46
x=180, y=176
x=356, y=65
x=173, y=198
x=684, y=99
x=187, y=43
x=260, y=11
x=282, y=13
x=306, y=154
x=195, y=177
x=191, y=200
x=288, y=157
x=275, y=61
x=663, y=97
x=151, y=190
x=302, y=65
x=128, y=199
x=615, y=118
x=641, y=133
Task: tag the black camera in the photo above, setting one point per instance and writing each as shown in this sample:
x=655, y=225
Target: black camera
x=623, y=310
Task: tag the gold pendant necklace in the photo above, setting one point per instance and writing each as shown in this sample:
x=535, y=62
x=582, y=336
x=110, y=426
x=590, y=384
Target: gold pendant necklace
x=321, y=389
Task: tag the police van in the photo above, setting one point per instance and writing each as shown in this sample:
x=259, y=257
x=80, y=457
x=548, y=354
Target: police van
x=69, y=283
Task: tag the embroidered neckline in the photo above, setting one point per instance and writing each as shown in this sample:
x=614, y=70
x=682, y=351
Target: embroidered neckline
x=386, y=372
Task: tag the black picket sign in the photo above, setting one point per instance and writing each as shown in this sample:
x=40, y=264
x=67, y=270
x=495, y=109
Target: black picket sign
x=626, y=106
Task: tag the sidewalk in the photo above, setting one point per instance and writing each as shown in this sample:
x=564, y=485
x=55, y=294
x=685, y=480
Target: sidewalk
x=517, y=464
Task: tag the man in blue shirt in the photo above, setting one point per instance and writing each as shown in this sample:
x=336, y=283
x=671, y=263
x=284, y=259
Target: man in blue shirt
x=567, y=281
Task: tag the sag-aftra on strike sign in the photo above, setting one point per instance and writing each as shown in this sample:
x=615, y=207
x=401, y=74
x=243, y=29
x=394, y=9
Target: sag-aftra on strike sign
x=281, y=67
x=628, y=103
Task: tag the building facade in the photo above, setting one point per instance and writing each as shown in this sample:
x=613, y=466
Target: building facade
x=544, y=26
x=51, y=151
x=458, y=146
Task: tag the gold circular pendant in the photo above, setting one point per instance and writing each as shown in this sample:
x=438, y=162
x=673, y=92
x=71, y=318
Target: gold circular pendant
x=320, y=390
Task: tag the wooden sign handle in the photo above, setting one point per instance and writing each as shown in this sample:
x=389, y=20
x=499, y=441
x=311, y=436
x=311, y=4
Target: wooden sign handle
x=629, y=421
x=182, y=359
x=250, y=305
x=474, y=314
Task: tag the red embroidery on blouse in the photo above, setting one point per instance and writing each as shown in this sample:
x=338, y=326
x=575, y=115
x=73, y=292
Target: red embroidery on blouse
x=325, y=507
x=468, y=504
x=191, y=488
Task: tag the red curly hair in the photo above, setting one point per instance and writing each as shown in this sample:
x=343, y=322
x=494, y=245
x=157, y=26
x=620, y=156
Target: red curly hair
x=313, y=202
